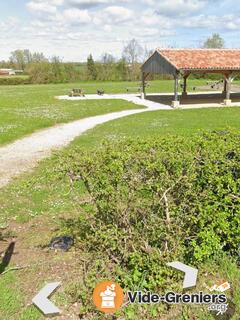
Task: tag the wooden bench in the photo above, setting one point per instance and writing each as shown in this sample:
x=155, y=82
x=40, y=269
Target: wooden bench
x=133, y=89
x=137, y=89
x=77, y=93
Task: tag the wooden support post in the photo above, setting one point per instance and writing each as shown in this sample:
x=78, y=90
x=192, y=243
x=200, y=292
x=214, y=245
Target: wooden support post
x=184, y=93
x=225, y=87
x=176, y=88
x=228, y=89
x=185, y=85
x=143, y=95
x=175, y=103
x=228, y=80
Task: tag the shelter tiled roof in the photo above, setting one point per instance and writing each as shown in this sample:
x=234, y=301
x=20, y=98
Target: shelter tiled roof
x=202, y=59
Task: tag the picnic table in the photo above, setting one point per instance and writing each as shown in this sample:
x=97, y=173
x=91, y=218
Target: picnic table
x=76, y=93
x=214, y=84
x=210, y=85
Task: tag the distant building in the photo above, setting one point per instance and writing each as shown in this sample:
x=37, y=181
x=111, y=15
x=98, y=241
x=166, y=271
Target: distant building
x=9, y=72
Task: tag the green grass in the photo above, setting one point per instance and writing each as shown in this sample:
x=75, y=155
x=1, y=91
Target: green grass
x=36, y=194
x=27, y=108
x=155, y=123
x=12, y=304
x=39, y=193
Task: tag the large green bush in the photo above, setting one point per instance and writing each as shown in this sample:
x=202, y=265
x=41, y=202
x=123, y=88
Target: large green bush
x=155, y=201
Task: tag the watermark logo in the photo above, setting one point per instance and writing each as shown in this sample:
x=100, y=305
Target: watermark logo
x=221, y=286
x=108, y=296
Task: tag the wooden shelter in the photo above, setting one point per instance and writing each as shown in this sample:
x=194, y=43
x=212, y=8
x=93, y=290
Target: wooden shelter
x=182, y=62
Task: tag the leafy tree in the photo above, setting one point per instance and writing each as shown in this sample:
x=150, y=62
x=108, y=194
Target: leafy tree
x=21, y=58
x=91, y=68
x=5, y=64
x=106, y=67
x=57, y=68
x=38, y=57
x=18, y=59
x=39, y=72
x=122, y=69
x=27, y=56
x=215, y=41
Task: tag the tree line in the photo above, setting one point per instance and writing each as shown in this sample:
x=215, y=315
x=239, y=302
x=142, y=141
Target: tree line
x=41, y=69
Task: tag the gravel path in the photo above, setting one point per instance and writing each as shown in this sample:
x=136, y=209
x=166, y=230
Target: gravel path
x=24, y=154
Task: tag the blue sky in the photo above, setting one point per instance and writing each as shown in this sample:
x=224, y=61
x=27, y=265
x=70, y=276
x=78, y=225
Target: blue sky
x=72, y=29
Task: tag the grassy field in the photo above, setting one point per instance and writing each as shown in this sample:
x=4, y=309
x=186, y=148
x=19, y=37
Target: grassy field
x=156, y=123
x=26, y=108
x=33, y=206
x=150, y=124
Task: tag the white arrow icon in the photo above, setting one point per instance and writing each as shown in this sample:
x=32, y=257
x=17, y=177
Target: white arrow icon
x=42, y=302
x=191, y=273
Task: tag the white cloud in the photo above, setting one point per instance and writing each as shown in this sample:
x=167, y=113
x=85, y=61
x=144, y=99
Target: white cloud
x=74, y=28
x=94, y=3
x=212, y=22
x=87, y=3
x=231, y=25
x=40, y=7
x=107, y=28
x=200, y=21
x=118, y=14
x=10, y=24
x=56, y=2
x=177, y=7
x=76, y=16
x=148, y=32
x=150, y=18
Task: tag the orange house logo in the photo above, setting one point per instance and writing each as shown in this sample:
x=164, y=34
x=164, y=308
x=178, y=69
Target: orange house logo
x=108, y=296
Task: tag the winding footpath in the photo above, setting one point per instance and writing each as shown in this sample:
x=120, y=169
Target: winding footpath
x=24, y=154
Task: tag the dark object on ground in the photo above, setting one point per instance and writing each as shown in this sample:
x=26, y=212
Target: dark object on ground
x=7, y=257
x=77, y=93
x=100, y=92
x=63, y=243
x=231, y=155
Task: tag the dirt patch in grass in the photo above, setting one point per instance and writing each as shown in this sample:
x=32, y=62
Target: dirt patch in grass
x=42, y=265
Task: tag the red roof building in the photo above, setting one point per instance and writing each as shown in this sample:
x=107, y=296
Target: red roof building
x=202, y=59
x=183, y=62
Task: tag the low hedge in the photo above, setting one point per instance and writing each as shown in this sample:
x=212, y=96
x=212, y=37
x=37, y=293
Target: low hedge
x=14, y=80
